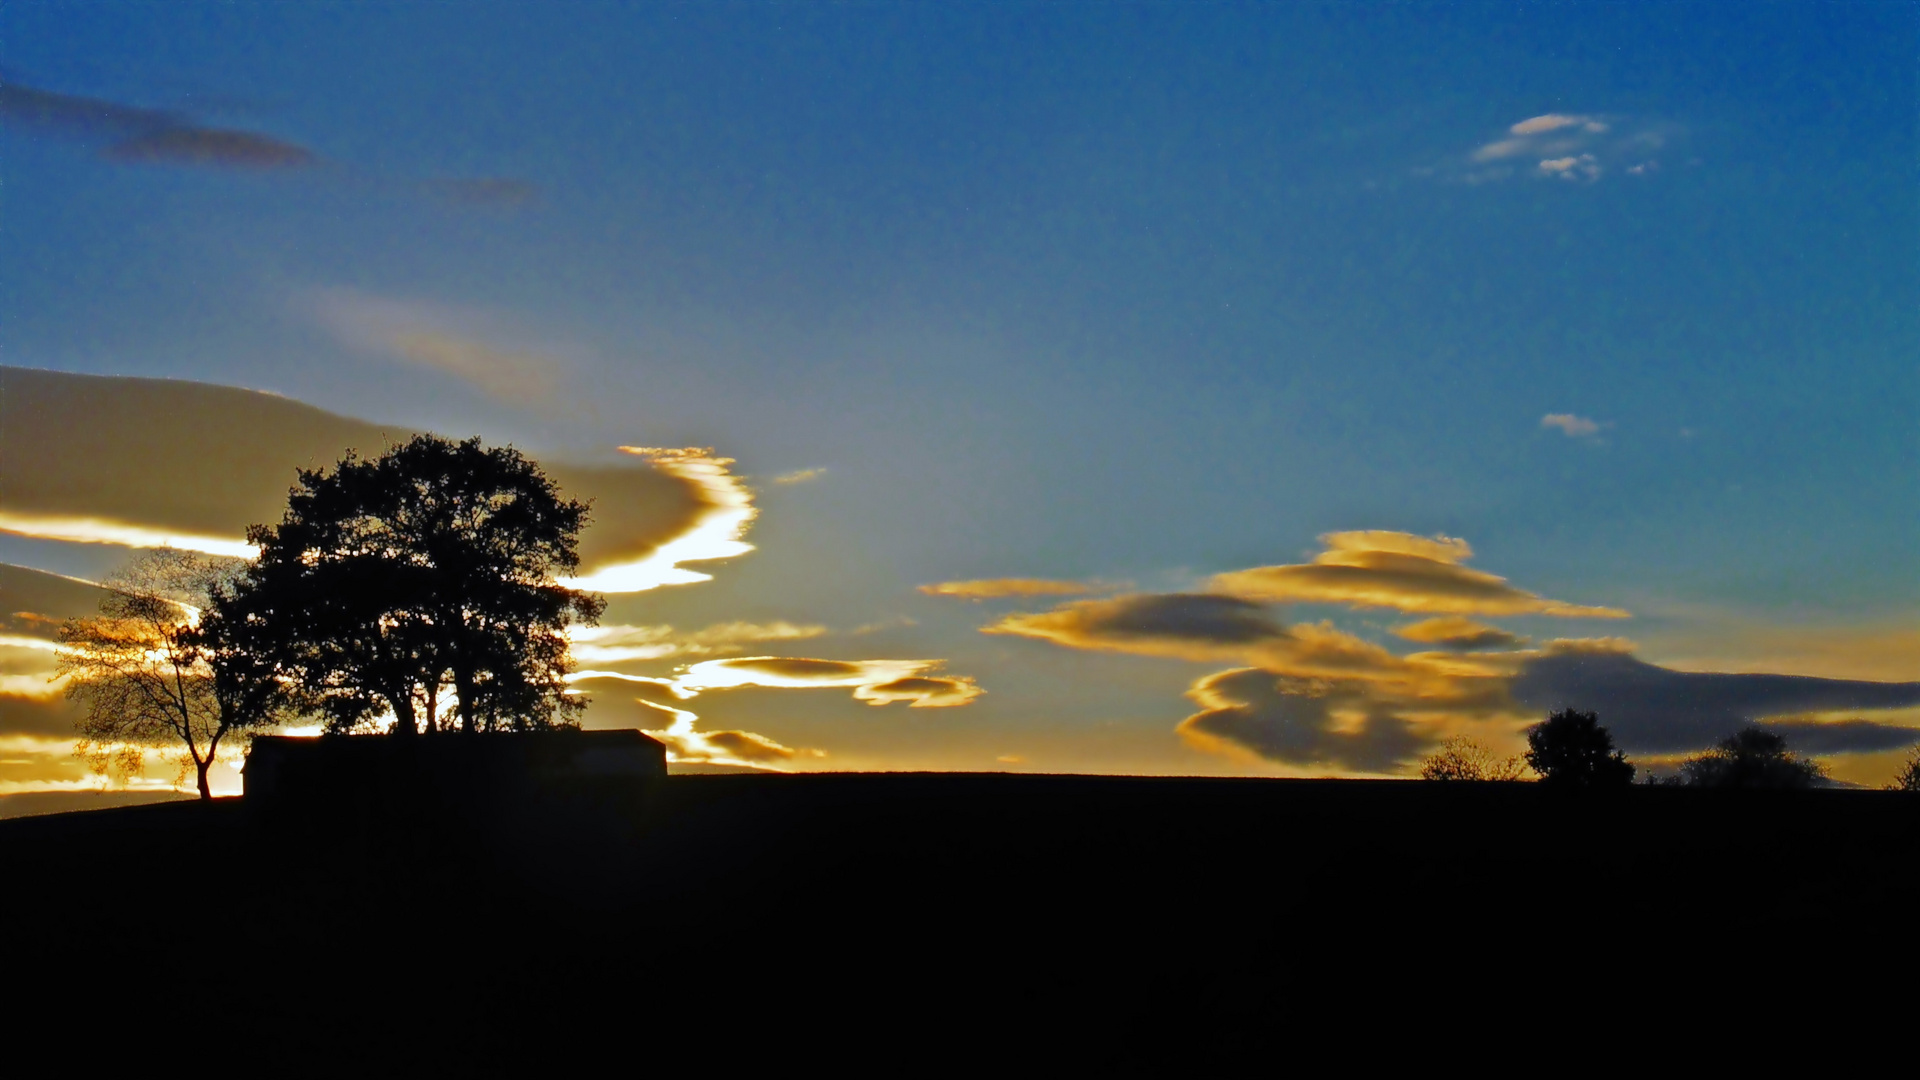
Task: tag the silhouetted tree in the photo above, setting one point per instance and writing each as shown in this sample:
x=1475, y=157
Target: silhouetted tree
x=149, y=676
x=1571, y=749
x=1908, y=778
x=1752, y=757
x=1460, y=758
x=426, y=573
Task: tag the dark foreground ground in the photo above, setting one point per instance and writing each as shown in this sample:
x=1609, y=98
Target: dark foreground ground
x=962, y=912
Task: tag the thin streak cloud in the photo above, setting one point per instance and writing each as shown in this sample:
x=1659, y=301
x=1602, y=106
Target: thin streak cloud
x=991, y=588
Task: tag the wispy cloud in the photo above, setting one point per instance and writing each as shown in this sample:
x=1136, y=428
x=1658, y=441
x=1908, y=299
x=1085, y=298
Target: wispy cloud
x=991, y=588
x=1571, y=147
x=876, y=682
x=146, y=136
x=614, y=643
x=1456, y=632
x=800, y=476
x=1574, y=427
x=469, y=345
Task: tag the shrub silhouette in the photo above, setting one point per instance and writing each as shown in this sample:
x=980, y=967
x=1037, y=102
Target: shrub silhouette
x=1752, y=757
x=1460, y=758
x=1571, y=749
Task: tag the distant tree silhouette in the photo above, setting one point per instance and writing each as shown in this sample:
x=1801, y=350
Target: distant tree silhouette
x=1908, y=778
x=149, y=676
x=1571, y=749
x=1752, y=757
x=1461, y=758
x=423, y=575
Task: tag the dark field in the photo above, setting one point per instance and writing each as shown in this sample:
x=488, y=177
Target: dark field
x=982, y=903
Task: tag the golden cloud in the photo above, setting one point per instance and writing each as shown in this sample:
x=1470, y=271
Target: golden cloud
x=877, y=682
x=607, y=644
x=1397, y=570
x=687, y=745
x=1457, y=632
x=145, y=462
x=989, y=588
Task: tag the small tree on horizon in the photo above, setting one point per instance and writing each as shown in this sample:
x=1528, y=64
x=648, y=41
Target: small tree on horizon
x=1908, y=778
x=1461, y=758
x=155, y=669
x=1571, y=749
x=1752, y=757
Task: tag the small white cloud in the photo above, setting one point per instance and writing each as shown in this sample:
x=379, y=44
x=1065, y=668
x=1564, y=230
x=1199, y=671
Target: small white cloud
x=1572, y=167
x=1575, y=427
x=1565, y=146
x=799, y=476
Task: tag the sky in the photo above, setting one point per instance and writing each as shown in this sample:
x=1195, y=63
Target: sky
x=1254, y=389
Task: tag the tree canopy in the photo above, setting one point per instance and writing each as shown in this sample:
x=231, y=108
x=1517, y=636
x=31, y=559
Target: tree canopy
x=422, y=579
x=158, y=669
x=1752, y=757
x=1571, y=749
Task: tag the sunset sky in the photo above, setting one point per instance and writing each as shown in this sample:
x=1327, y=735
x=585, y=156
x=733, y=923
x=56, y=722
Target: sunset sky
x=1229, y=389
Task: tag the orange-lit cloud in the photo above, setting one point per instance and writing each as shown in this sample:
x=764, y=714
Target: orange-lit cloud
x=147, y=461
x=92, y=530
x=877, y=682
x=989, y=588
x=607, y=644
x=715, y=534
x=800, y=476
x=686, y=744
x=1314, y=725
x=1377, y=568
x=1457, y=632
x=1315, y=698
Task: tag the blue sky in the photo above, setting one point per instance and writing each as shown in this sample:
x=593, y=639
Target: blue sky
x=1123, y=294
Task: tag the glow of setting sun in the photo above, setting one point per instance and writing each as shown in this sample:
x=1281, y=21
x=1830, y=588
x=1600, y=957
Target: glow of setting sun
x=715, y=536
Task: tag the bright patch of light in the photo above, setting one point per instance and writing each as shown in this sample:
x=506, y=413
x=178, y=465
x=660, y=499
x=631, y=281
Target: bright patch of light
x=724, y=674
x=88, y=530
x=716, y=535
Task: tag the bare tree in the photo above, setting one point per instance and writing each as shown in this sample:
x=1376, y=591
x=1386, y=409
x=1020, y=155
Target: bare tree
x=1908, y=778
x=1461, y=758
x=151, y=673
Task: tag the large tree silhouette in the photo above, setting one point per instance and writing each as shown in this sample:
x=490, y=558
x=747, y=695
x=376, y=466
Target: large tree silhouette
x=422, y=579
x=1571, y=749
